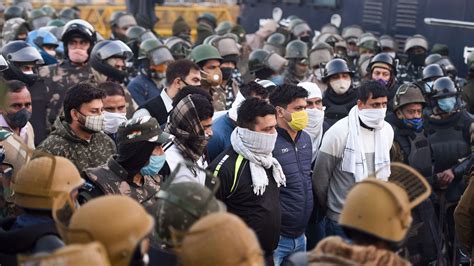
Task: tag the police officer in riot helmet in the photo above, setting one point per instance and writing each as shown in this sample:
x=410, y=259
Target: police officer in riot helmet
x=120, y=22
x=154, y=58
x=430, y=74
x=411, y=146
x=297, y=56
x=321, y=53
x=416, y=49
x=23, y=61
x=450, y=135
x=383, y=68
x=37, y=185
x=340, y=96
x=267, y=65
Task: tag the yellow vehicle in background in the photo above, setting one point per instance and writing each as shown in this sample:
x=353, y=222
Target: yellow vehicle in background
x=98, y=13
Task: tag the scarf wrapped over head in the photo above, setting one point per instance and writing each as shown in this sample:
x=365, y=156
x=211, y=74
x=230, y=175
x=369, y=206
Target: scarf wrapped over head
x=185, y=125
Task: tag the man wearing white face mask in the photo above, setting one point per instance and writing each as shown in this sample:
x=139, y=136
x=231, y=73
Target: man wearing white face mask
x=78, y=135
x=115, y=112
x=340, y=96
x=316, y=125
x=352, y=149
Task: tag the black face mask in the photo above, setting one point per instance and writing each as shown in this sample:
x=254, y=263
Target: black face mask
x=19, y=119
x=417, y=59
x=306, y=39
x=226, y=72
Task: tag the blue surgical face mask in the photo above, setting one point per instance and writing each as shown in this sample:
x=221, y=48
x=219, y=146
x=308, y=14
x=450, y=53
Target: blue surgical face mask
x=415, y=123
x=447, y=104
x=154, y=165
x=278, y=80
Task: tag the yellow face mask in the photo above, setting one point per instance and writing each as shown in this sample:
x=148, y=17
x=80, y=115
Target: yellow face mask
x=299, y=120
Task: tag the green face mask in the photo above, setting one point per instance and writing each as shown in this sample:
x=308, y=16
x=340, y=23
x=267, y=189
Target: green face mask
x=299, y=120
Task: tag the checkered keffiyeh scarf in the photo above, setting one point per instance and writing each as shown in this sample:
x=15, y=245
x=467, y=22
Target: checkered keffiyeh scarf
x=185, y=125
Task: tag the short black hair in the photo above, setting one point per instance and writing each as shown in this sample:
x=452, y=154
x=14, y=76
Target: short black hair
x=252, y=108
x=179, y=69
x=111, y=89
x=204, y=107
x=185, y=91
x=254, y=87
x=79, y=94
x=15, y=86
x=286, y=93
x=371, y=88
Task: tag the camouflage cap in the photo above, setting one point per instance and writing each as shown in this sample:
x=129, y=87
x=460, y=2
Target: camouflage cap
x=144, y=128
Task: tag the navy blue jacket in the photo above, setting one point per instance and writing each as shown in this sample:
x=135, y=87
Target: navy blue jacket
x=296, y=199
x=142, y=89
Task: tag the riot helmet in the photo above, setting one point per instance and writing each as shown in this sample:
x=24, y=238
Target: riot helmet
x=133, y=33
x=260, y=59
x=368, y=43
x=201, y=53
x=123, y=226
x=407, y=94
x=223, y=28
x=38, y=18
x=219, y=232
x=388, y=45
x=320, y=54
x=416, y=40
x=416, y=48
x=78, y=28
x=15, y=12
x=432, y=72
x=352, y=32
x=389, y=216
x=336, y=66
x=331, y=28
x=209, y=18
x=275, y=43
x=226, y=45
x=43, y=179
x=56, y=23
x=49, y=10
x=432, y=59
x=178, y=47
x=67, y=14
x=385, y=61
x=19, y=54
x=181, y=204
x=14, y=29
x=46, y=43
x=103, y=52
x=296, y=49
x=446, y=95
x=301, y=30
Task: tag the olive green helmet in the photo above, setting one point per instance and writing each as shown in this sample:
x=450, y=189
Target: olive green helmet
x=407, y=94
x=56, y=23
x=275, y=43
x=181, y=204
x=133, y=33
x=14, y=12
x=68, y=14
x=296, y=49
x=155, y=51
x=223, y=28
x=204, y=52
x=49, y=10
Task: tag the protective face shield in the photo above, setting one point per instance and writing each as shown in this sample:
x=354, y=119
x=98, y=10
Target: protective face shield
x=160, y=56
x=276, y=63
x=213, y=77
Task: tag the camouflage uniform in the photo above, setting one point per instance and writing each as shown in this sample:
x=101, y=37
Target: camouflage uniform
x=84, y=154
x=112, y=178
x=218, y=95
x=59, y=78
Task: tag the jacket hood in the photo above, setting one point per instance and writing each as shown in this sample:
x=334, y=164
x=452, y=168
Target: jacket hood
x=61, y=128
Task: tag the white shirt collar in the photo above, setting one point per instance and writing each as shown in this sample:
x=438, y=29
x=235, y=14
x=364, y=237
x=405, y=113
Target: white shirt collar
x=166, y=100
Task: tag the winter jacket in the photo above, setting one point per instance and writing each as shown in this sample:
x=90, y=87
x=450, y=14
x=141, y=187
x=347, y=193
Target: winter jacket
x=222, y=129
x=296, y=198
x=142, y=89
x=84, y=154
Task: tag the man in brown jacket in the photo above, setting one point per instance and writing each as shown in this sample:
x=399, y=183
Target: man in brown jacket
x=464, y=218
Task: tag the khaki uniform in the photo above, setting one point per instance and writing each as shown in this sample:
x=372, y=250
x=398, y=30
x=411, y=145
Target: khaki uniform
x=464, y=218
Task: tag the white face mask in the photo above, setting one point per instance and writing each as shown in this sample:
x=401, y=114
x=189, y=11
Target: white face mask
x=340, y=86
x=28, y=72
x=392, y=54
x=315, y=117
x=373, y=118
x=112, y=121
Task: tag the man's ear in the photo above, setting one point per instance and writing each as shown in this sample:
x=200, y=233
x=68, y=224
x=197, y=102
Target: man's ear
x=74, y=114
x=279, y=110
x=360, y=104
x=399, y=114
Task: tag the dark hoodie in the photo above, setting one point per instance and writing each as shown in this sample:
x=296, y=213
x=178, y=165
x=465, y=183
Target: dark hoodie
x=84, y=154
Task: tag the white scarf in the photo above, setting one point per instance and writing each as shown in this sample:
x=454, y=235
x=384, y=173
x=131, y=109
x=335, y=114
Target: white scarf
x=315, y=129
x=257, y=147
x=353, y=159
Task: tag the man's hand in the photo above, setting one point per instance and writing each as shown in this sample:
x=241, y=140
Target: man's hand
x=445, y=178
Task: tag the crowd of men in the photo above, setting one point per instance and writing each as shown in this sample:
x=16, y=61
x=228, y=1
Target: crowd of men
x=279, y=147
